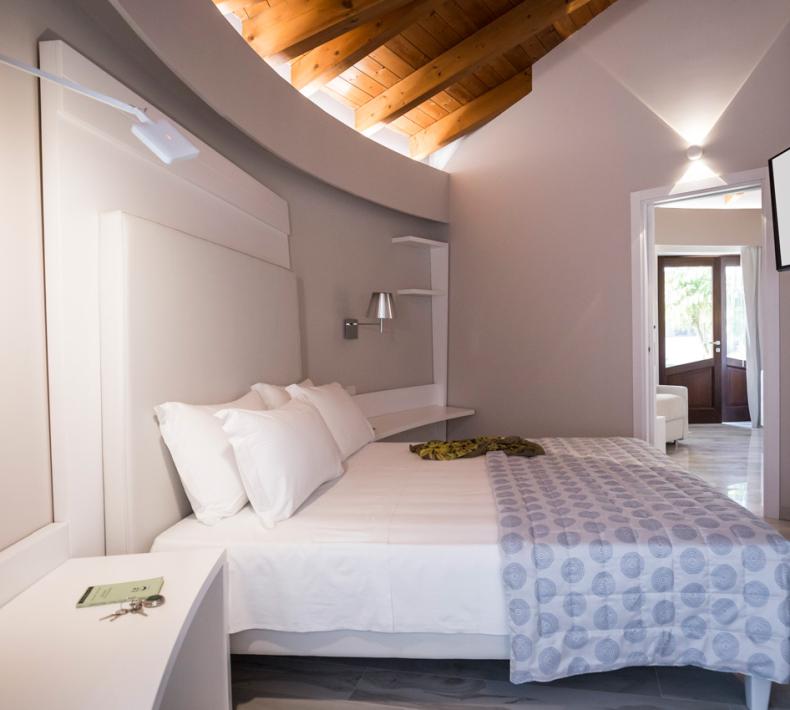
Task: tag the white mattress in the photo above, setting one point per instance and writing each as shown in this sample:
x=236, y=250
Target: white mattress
x=396, y=545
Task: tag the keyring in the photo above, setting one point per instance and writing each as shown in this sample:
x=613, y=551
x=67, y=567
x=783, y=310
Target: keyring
x=153, y=601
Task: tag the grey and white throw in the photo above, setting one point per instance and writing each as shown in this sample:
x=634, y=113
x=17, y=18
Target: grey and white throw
x=612, y=557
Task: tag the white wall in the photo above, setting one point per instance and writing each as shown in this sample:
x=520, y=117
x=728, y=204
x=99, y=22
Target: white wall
x=698, y=227
x=540, y=311
x=25, y=489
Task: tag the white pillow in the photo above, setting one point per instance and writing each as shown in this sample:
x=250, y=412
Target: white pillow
x=283, y=455
x=274, y=396
x=345, y=419
x=203, y=457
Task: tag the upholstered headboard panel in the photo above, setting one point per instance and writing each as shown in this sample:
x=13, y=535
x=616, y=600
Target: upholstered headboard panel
x=182, y=319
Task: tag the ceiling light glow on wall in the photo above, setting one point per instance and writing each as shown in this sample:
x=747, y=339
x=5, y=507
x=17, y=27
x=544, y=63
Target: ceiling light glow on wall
x=161, y=137
x=697, y=171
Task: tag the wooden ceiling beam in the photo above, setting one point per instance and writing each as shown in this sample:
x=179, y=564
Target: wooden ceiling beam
x=470, y=116
x=319, y=66
x=498, y=36
x=290, y=28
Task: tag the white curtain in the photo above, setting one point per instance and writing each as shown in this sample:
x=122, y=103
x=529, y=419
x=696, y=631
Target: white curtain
x=750, y=266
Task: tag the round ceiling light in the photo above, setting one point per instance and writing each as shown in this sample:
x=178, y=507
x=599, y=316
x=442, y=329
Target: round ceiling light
x=694, y=152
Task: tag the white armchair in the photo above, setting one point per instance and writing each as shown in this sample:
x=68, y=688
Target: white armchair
x=672, y=403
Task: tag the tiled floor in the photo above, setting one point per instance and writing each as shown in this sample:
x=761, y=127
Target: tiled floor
x=275, y=683
x=730, y=458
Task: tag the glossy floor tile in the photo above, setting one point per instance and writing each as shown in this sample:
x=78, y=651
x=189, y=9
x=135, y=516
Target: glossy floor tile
x=730, y=458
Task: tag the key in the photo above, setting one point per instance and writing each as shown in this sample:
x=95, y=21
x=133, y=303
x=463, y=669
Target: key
x=115, y=614
x=136, y=607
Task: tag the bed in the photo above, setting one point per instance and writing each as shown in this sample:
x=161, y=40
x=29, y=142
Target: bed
x=412, y=558
x=348, y=560
x=608, y=556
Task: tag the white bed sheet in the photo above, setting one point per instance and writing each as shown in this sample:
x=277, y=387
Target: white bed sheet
x=397, y=544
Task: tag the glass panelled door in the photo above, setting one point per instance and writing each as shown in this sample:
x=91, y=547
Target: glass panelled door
x=735, y=405
x=690, y=336
x=702, y=335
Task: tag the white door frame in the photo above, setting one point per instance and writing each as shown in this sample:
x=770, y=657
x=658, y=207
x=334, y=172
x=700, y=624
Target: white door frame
x=644, y=265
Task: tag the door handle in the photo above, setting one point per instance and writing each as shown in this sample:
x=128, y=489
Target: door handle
x=715, y=342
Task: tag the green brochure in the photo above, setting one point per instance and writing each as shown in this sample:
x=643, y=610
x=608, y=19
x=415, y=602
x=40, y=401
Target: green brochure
x=120, y=592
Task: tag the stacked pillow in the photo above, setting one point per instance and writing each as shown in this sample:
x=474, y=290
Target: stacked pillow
x=273, y=447
x=203, y=456
x=345, y=420
x=274, y=396
x=283, y=455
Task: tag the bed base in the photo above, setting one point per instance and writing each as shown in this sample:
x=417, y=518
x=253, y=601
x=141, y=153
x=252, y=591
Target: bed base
x=372, y=644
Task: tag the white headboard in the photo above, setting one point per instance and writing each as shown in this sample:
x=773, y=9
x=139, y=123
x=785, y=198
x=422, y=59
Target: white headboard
x=182, y=319
x=92, y=165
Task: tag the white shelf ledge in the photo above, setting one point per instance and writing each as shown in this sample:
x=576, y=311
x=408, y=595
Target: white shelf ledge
x=385, y=425
x=419, y=242
x=420, y=292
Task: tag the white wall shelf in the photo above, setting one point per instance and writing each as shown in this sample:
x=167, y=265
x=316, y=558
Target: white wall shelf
x=386, y=425
x=420, y=292
x=439, y=254
x=419, y=242
x=392, y=412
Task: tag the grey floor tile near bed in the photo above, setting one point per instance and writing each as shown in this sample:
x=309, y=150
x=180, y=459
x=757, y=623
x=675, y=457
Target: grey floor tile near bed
x=268, y=683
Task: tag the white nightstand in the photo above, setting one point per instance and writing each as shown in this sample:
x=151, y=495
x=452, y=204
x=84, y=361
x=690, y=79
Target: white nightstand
x=57, y=656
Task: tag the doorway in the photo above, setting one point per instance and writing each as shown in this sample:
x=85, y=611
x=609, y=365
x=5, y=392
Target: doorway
x=702, y=335
x=645, y=329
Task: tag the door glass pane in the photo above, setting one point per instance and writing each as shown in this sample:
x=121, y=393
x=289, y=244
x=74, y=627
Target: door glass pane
x=688, y=303
x=736, y=313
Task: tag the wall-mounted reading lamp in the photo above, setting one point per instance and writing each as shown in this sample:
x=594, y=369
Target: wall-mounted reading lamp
x=160, y=137
x=382, y=307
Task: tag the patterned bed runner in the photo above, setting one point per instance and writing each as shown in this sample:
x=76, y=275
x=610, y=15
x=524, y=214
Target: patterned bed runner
x=613, y=557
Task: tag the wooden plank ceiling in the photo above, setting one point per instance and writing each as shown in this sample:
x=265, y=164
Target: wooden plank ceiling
x=433, y=70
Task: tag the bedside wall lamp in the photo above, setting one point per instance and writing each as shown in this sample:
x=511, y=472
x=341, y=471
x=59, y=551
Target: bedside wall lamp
x=382, y=307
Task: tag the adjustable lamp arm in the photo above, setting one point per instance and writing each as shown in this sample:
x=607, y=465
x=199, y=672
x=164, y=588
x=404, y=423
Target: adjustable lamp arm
x=138, y=113
x=161, y=137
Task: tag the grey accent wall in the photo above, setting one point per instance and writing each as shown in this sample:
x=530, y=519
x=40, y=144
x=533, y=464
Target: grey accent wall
x=540, y=307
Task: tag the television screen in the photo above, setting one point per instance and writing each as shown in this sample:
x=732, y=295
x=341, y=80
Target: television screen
x=779, y=167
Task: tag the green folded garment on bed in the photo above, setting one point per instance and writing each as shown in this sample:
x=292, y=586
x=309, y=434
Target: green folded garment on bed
x=468, y=448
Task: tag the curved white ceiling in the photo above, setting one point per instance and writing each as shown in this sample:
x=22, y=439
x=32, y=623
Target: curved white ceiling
x=201, y=48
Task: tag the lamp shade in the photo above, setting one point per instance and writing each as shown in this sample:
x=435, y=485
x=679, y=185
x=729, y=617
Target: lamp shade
x=382, y=305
